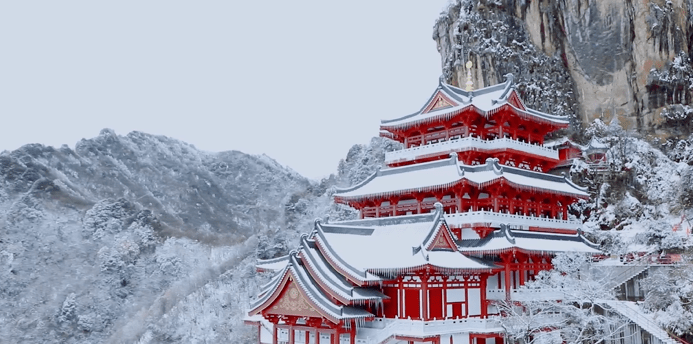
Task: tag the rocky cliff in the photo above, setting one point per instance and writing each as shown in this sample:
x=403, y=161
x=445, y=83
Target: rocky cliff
x=595, y=59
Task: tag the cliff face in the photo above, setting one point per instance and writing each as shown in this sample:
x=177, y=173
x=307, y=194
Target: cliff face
x=598, y=58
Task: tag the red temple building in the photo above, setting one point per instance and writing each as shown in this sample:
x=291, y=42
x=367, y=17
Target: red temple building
x=461, y=217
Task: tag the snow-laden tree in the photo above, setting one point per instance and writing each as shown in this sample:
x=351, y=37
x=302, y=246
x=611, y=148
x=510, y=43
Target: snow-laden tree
x=568, y=312
x=669, y=295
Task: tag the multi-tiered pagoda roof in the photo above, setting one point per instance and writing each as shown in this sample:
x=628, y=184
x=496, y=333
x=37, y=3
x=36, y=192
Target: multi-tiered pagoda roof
x=443, y=174
x=462, y=216
x=448, y=101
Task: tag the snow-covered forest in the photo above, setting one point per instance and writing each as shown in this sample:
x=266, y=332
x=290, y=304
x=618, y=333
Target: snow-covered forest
x=82, y=265
x=146, y=239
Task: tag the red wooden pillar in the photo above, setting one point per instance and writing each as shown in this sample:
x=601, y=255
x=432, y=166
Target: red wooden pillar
x=525, y=207
x=352, y=334
x=474, y=200
x=292, y=334
x=400, y=297
x=484, y=305
x=458, y=197
x=307, y=337
x=274, y=334
x=393, y=203
x=419, y=199
x=335, y=336
x=424, y=295
x=522, y=262
x=507, y=261
x=494, y=200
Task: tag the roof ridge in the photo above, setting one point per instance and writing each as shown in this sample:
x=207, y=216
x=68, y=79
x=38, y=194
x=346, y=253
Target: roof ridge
x=438, y=223
x=469, y=174
x=353, y=271
x=397, y=170
x=317, y=295
x=341, y=285
x=358, y=185
x=430, y=99
x=273, y=260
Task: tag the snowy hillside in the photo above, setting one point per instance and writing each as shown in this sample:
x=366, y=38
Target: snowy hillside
x=143, y=238
x=104, y=242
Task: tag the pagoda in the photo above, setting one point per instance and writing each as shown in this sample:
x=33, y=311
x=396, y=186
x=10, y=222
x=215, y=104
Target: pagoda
x=458, y=219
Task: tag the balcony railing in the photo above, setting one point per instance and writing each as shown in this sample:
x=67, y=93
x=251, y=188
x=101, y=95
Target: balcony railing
x=524, y=295
x=404, y=327
x=426, y=206
x=467, y=143
x=515, y=221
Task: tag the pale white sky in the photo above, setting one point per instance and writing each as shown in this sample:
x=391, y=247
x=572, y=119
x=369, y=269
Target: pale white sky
x=301, y=81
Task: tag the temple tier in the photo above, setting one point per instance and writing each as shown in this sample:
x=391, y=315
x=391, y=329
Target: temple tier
x=460, y=218
x=491, y=122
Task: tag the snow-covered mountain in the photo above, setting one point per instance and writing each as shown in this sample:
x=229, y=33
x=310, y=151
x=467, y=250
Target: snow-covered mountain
x=222, y=195
x=103, y=242
x=143, y=238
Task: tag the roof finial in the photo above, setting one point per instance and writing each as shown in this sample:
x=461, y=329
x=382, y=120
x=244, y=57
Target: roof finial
x=469, y=82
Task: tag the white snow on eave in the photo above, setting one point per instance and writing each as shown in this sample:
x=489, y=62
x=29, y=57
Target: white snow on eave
x=333, y=282
x=269, y=291
x=442, y=175
x=532, y=244
x=413, y=179
x=558, y=142
x=392, y=247
x=332, y=256
x=314, y=293
x=485, y=103
x=485, y=177
x=272, y=265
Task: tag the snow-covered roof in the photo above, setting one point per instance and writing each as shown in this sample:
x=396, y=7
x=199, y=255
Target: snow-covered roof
x=486, y=101
x=393, y=246
x=442, y=174
x=330, y=279
x=310, y=290
x=506, y=239
x=596, y=145
x=563, y=141
x=273, y=264
x=402, y=243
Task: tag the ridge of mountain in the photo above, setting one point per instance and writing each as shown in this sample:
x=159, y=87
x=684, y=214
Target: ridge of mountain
x=99, y=244
x=227, y=195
